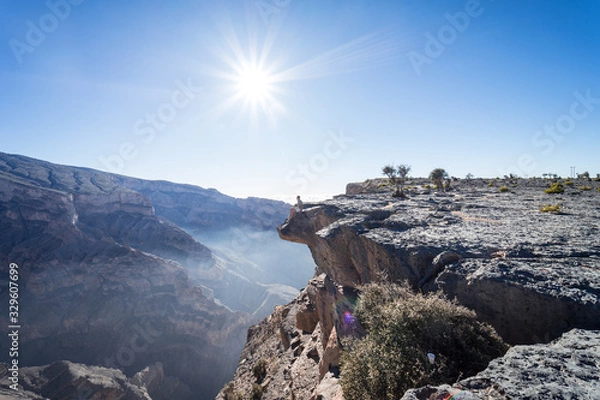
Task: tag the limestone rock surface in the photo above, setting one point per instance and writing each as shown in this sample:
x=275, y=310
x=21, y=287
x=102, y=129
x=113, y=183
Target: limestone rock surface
x=532, y=275
x=563, y=369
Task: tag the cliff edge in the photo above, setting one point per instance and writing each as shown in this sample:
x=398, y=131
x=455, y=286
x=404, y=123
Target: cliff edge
x=532, y=275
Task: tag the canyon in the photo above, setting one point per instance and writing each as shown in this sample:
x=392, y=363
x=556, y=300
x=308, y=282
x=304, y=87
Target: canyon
x=137, y=289
x=111, y=274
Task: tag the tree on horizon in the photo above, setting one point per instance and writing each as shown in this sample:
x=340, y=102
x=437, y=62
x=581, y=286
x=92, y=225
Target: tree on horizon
x=437, y=177
x=397, y=176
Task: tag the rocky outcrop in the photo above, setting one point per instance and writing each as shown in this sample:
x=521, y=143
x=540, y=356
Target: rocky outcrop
x=292, y=356
x=64, y=380
x=531, y=275
x=476, y=245
x=300, y=343
x=563, y=369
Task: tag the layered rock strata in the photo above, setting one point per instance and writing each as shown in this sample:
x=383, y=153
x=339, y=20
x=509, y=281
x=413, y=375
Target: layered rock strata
x=172, y=221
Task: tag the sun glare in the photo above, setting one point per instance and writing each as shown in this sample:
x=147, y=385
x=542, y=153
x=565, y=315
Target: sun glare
x=254, y=85
x=256, y=88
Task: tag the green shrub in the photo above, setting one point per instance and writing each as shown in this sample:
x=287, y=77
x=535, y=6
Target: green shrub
x=556, y=187
x=257, y=392
x=259, y=370
x=490, y=183
x=585, y=188
x=402, y=328
x=503, y=189
x=568, y=182
x=551, y=208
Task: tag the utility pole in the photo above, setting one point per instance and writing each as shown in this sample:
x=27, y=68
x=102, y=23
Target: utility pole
x=572, y=172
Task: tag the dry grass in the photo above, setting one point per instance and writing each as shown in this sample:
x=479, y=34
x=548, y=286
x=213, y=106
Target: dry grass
x=555, y=188
x=551, y=208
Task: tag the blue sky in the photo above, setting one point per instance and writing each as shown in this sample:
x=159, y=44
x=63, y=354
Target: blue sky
x=274, y=98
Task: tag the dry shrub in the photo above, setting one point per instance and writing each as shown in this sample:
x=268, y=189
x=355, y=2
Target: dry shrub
x=556, y=187
x=402, y=327
x=260, y=370
x=550, y=208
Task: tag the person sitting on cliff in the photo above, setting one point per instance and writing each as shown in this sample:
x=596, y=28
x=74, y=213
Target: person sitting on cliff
x=296, y=208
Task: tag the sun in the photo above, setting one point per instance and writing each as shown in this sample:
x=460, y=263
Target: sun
x=256, y=88
x=254, y=84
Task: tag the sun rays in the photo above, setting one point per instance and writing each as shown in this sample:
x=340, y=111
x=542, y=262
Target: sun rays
x=254, y=83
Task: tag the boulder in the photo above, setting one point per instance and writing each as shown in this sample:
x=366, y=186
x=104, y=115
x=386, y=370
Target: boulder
x=64, y=380
x=566, y=368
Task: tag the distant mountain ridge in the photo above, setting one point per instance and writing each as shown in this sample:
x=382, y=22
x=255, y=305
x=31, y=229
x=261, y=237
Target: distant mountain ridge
x=213, y=209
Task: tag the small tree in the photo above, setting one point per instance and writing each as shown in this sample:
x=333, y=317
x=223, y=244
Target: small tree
x=437, y=177
x=397, y=176
x=391, y=173
x=403, y=171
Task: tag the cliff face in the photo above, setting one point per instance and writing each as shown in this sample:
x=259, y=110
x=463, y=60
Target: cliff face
x=88, y=297
x=105, y=280
x=531, y=275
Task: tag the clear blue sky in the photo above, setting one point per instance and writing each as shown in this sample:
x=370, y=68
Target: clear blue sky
x=274, y=98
